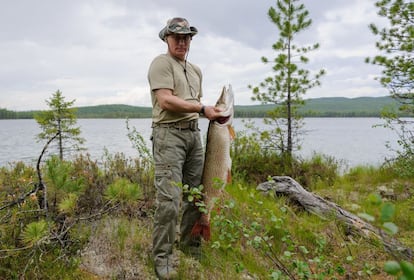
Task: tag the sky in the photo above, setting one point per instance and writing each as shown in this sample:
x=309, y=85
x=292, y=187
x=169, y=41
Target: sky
x=98, y=51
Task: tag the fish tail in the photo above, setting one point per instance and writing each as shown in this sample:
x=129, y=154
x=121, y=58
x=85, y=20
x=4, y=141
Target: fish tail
x=202, y=228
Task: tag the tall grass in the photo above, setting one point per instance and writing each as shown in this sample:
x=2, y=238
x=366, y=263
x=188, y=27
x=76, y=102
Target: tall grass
x=254, y=236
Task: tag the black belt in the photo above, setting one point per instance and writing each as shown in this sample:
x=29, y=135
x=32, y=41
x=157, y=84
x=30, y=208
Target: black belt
x=183, y=125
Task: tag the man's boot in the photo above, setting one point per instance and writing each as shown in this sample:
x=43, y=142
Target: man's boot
x=166, y=272
x=164, y=268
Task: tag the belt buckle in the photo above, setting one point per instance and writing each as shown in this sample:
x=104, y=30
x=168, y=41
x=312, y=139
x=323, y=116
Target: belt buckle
x=180, y=125
x=176, y=125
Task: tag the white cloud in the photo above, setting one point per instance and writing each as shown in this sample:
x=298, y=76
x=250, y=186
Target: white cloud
x=98, y=52
x=137, y=95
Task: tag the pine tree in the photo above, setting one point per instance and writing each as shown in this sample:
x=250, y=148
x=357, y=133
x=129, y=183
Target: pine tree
x=60, y=120
x=396, y=46
x=290, y=82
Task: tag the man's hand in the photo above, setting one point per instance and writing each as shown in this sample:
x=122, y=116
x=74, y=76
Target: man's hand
x=212, y=113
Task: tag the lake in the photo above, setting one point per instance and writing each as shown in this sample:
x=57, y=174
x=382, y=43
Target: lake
x=353, y=140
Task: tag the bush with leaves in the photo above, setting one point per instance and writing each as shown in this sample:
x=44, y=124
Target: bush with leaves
x=253, y=162
x=35, y=235
x=238, y=229
x=398, y=267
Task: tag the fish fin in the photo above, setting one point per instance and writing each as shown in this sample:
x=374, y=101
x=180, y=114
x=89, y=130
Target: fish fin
x=202, y=229
x=229, y=176
x=232, y=132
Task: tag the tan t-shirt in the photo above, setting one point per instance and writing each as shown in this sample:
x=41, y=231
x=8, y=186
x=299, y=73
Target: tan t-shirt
x=167, y=72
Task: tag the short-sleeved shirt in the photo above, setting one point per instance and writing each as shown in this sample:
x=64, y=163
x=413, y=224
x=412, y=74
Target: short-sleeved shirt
x=183, y=78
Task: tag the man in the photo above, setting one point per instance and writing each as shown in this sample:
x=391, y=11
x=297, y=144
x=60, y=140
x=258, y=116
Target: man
x=177, y=147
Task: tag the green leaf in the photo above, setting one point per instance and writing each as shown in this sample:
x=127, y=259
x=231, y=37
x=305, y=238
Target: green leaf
x=239, y=267
x=303, y=249
x=366, y=217
x=408, y=269
x=390, y=228
x=275, y=275
x=392, y=267
x=215, y=245
x=387, y=212
x=340, y=270
x=190, y=198
x=375, y=198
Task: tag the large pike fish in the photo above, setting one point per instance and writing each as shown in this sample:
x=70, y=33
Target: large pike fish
x=217, y=163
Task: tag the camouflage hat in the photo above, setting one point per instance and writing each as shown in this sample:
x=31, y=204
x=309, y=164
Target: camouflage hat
x=177, y=26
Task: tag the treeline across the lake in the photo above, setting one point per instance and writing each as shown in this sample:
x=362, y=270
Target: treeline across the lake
x=329, y=107
x=318, y=107
x=7, y=114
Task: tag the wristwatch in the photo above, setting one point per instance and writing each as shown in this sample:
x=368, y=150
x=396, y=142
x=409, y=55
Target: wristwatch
x=202, y=110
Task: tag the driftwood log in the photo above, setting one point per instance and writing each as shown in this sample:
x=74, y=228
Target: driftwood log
x=286, y=186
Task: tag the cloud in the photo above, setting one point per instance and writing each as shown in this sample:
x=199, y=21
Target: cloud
x=98, y=52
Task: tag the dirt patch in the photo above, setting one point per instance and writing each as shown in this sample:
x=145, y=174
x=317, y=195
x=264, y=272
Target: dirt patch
x=119, y=248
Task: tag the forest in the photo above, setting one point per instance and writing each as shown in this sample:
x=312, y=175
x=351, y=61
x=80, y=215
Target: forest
x=318, y=107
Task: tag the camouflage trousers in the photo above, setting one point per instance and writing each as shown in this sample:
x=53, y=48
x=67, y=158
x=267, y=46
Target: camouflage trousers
x=179, y=158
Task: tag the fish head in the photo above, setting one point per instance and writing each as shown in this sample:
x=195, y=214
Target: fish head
x=226, y=104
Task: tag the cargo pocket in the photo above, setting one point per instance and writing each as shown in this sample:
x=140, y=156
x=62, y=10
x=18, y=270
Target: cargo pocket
x=168, y=194
x=163, y=182
x=159, y=139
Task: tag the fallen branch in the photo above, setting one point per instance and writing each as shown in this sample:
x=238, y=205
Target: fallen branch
x=284, y=185
x=21, y=198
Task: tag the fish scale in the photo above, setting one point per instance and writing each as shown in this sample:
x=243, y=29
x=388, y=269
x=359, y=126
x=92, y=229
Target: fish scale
x=217, y=163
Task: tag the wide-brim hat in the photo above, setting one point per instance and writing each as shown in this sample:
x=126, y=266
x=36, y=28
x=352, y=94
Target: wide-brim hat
x=177, y=25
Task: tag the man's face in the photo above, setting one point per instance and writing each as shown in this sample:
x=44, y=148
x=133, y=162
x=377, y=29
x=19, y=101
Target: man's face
x=178, y=45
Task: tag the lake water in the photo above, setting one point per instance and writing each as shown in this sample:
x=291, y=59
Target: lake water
x=353, y=140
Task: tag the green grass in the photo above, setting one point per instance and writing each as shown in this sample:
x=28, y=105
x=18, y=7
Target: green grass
x=254, y=236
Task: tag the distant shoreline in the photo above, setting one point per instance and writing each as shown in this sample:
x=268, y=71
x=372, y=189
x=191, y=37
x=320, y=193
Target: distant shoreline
x=329, y=107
